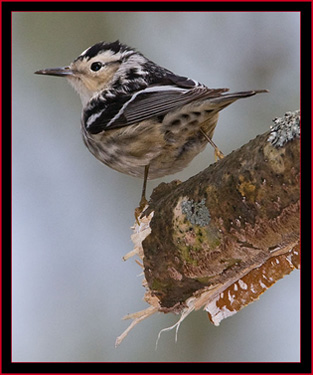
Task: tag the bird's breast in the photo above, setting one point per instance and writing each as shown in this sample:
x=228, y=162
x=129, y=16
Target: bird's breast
x=167, y=145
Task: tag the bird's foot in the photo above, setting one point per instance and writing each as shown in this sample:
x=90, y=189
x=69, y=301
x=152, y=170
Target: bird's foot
x=218, y=154
x=140, y=208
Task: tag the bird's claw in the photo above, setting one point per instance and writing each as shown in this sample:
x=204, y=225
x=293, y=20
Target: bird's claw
x=140, y=208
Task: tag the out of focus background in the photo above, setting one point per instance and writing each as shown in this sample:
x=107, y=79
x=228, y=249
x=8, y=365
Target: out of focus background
x=72, y=215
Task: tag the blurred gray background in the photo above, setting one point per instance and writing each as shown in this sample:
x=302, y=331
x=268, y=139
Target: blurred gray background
x=72, y=215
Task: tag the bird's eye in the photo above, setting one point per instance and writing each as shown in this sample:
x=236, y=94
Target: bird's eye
x=96, y=66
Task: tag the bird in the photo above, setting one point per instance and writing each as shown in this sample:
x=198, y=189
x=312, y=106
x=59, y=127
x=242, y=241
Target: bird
x=138, y=117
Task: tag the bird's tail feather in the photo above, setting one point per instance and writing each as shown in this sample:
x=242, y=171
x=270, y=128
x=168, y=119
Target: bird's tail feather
x=229, y=98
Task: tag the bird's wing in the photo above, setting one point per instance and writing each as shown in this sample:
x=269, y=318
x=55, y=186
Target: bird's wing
x=147, y=103
x=157, y=101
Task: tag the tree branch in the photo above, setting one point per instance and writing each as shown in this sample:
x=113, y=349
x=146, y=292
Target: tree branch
x=223, y=237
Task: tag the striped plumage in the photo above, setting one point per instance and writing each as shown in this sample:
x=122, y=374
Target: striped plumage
x=137, y=114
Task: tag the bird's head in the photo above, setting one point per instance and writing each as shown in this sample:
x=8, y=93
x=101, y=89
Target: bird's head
x=99, y=67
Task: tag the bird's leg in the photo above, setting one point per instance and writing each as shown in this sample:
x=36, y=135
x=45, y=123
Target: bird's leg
x=217, y=152
x=143, y=200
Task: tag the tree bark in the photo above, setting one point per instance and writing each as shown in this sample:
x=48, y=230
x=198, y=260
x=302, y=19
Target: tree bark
x=221, y=238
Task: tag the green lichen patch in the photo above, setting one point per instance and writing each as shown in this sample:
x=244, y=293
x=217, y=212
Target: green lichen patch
x=196, y=213
x=197, y=245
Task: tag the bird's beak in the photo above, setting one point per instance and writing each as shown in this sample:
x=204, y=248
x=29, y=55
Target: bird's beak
x=65, y=71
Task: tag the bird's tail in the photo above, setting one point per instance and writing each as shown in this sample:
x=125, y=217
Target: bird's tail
x=229, y=98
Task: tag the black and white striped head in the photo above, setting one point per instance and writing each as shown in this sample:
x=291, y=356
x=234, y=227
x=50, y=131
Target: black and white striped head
x=100, y=67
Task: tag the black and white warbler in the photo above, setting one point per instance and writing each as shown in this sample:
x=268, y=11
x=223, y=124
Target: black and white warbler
x=138, y=117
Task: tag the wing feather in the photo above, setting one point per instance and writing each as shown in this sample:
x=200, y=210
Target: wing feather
x=148, y=103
